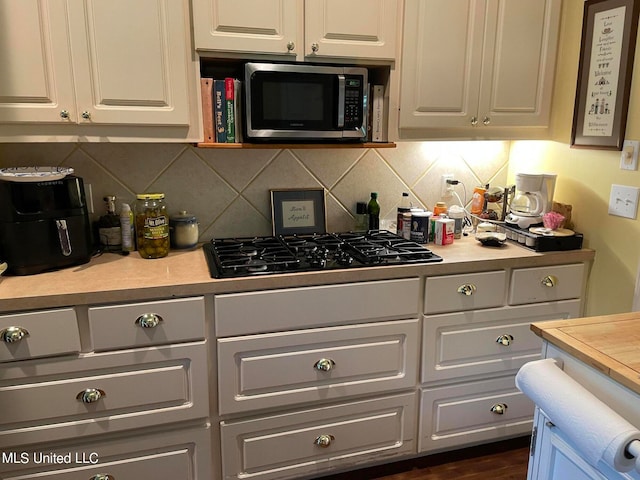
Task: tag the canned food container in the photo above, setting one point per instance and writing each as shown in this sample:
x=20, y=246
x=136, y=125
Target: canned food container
x=152, y=225
x=443, y=234
x=420, y=227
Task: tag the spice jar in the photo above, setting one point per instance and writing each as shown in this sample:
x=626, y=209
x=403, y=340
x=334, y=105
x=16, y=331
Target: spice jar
x=184, y=230
x=152, y=225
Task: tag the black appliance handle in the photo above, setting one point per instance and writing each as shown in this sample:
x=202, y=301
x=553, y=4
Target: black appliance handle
x=63, y=237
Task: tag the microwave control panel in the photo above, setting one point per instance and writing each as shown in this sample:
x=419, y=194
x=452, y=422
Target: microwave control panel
x=353, y=102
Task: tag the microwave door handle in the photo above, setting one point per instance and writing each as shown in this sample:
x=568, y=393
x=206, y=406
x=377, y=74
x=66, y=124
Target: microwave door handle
x=341, y=90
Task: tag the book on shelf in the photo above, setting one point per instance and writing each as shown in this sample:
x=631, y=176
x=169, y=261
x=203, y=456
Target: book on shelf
x=229, y=89
x=379, y=108
x=206, y=94
x=237, y=95
x=220, y=111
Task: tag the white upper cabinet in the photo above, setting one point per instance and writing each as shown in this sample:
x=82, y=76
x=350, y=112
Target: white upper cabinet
x=296, y=30
x=477, y=67
x=82, y=64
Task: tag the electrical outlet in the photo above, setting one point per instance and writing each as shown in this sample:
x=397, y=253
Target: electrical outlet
x=629, y=155
x=623, y=201
x=446, y=189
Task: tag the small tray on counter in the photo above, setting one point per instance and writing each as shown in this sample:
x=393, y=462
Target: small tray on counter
x=543, y=243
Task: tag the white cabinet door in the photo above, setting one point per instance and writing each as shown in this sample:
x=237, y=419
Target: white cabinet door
x=37, y=81
x=130, y=61
x=259, y=26
x=357, y=28
x=493, y=65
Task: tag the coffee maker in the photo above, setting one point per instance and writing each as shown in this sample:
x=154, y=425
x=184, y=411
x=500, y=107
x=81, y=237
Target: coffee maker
x=44, y=225
x=533, y=198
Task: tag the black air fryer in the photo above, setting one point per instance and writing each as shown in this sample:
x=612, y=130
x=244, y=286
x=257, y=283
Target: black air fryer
x=44, y=225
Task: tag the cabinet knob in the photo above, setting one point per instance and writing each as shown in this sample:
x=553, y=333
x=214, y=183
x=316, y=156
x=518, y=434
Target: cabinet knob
x=149, y=320
x=467, y=289
x=64, y=114
x=315, y=47
x=324, y=441
x=549, y=281
x=90, y=395
x=324, y=364
x=474, y=121
x=505, y=339
x=13, y=334
x=101, y=476
x=86, y=115
x=499, y=408
x=486, y=121
x=291, y=46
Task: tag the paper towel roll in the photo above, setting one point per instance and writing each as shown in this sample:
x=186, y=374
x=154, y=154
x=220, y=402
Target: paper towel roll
x=597, y=432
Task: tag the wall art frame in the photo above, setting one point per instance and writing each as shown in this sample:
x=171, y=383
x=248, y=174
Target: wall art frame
x=298, y=211
x=607, y=50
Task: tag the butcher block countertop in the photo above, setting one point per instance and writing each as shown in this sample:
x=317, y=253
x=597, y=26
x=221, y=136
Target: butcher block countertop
x=610, y=343
x=111, y=277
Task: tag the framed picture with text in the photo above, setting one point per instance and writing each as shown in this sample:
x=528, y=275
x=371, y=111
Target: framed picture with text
x=609, y=30
x=298, y=211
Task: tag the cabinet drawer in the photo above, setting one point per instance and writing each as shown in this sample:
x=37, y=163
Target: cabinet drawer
x=44, y=333
x=41, y=400
x=462, y=414
x=285, y=446
x=295, y=308
x=272, y=370
x=452, y=293
x=546, y=284
x=149, y=323
x=463, y=344
x=182, y=454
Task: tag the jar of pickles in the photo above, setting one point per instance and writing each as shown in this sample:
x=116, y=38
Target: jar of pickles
x=152, y=225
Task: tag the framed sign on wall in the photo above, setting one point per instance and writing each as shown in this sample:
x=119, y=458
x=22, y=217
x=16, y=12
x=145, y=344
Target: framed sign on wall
x=609, y=30
x=298, y=211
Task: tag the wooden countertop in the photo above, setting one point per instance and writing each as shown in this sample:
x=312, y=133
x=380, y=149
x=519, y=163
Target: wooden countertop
x=609, y=343
x=115, y=278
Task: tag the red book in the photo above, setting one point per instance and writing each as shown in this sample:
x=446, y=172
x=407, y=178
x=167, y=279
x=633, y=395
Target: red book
x=231, y=121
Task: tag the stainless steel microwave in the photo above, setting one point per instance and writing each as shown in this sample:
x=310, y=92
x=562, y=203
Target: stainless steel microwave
x=292, y=102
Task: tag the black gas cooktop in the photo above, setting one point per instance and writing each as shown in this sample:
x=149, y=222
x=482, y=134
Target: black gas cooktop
x=243, y=257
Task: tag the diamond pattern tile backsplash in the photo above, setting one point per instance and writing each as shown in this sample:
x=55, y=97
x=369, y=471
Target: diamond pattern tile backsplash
x=229, y=190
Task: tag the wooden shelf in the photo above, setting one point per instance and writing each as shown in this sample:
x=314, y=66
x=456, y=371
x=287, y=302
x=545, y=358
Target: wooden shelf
x=295, y=146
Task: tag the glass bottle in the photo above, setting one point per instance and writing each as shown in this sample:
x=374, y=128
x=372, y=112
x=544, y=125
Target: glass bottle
x=373, y=209
x=403, y=208
x=109, y=231
x=127, y=227
x=362, y=219
x=152, y=225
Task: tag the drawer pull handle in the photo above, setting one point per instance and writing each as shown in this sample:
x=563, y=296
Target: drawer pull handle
x=549, y=281
x=505, y=339
x=90, y=395
x=149, y=320
x=324, y=364
x=13, y=334
x=290, y=46
x=499, y=408
x=324, y=441
x=467, y=289
x=100, y=476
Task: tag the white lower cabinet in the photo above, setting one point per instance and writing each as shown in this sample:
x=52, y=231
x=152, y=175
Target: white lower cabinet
x=473, y=412
x=163, y=455
x=315, y=440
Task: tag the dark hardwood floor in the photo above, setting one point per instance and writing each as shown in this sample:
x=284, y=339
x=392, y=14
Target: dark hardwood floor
x=506, y=460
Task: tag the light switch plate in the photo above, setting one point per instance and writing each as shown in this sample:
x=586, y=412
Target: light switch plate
x=629, y=155
x=623, y=201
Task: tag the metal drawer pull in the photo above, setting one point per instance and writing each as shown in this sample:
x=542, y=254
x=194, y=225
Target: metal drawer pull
x=474, y=121
x=13, y=334
x=90, y=395
x=499, y=408
x=549, y=281
x=86, y=115
x=315, y=47
x=486, y=121
x=505, y=339
x=324, y=441
x=324, y=364
x=103, y=477
x=64, y=114
x=291, y=46
x=149, y=320
x=467, y=289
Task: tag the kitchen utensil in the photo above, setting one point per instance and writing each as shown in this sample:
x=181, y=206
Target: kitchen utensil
x=533, y=198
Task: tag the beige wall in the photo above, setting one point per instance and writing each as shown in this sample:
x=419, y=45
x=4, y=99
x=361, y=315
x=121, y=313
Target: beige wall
x=585, y=177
